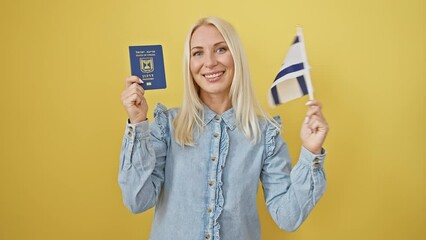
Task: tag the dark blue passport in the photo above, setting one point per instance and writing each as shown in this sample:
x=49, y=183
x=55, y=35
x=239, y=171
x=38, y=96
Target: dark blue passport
x=147, y=63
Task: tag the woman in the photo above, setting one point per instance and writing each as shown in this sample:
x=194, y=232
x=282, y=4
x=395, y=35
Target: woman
x=200, y=165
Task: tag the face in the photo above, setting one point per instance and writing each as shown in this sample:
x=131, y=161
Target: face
x=211, y=62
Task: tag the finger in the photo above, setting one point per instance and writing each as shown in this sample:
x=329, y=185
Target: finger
x=314, y=111
x=128, y=94
x=314, y=108
x=313, y=126
x=316, y=123
x=313, y=103
x=133, y=89
x=137, y=88
x=131, y=80
x=132, y=100
x=318, y=118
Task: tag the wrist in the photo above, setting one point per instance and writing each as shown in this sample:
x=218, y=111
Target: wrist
x=316, y=150
x=137, y=120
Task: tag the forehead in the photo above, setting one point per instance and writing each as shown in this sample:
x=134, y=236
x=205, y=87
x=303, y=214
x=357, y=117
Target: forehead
x=206, y=35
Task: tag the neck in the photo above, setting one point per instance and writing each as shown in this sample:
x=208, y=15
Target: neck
x=217, y=104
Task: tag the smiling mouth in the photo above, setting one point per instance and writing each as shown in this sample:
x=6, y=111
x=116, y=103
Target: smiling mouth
x=214, y=76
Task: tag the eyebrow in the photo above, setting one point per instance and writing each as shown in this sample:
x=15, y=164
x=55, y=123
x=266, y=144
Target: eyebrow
x=218, y=43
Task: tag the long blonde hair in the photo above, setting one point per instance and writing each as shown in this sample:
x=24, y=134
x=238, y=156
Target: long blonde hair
x=190, y=116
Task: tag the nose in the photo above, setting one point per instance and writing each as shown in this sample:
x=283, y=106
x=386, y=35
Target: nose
x=210, y=60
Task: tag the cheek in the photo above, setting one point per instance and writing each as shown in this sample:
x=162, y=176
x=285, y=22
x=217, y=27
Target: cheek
x=232, y=65
x=194, y=66
x=230, y=62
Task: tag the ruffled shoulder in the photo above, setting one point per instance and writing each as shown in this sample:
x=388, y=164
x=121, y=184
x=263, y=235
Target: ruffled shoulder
x=161, y=115
x=271, y=134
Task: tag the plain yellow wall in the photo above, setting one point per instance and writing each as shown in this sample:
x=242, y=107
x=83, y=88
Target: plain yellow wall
x=63, y=65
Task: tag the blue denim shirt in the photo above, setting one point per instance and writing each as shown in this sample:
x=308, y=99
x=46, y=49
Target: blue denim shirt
x=208, y=191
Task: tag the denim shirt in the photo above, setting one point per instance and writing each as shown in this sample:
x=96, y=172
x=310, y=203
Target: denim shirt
x=208, y=191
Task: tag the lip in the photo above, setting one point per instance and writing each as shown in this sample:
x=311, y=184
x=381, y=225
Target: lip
x=213, y=76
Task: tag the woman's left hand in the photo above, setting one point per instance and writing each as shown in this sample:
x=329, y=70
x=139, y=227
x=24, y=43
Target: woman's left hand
x=314, y=129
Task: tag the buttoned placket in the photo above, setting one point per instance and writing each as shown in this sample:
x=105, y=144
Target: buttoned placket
x=131, y=134
x=211, y=182
x=317, y=163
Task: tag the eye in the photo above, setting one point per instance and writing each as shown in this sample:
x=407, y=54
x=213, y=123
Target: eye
x=221, y=50
x=196, y=53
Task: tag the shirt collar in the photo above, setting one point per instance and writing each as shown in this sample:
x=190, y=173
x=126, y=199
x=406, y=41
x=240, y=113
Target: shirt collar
x=228, y=117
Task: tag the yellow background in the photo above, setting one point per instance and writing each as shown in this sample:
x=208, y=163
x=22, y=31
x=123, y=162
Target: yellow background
x=63, y=65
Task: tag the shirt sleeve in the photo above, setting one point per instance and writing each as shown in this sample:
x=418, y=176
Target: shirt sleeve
x=290, y=194
x=142, y=161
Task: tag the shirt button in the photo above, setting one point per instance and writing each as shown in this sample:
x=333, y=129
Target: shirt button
x=213, y=158
x=216, y=135
x=209, y=210
x=316, y=162
x=211, y=183
x=206, y=236
x=217, y=118
x=129, y=134
x=130, y=128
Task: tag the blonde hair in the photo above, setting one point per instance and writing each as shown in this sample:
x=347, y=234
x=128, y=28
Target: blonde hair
x=190, y=116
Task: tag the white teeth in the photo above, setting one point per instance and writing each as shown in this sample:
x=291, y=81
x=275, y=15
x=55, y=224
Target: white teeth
x=213, y=75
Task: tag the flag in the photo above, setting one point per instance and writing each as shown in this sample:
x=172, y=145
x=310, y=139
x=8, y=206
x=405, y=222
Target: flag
x=293, y=79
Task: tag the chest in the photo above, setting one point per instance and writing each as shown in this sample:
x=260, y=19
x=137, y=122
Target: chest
x=218, y=150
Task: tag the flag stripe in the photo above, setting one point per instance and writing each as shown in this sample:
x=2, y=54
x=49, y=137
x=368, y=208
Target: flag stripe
x=302, y=84
x=289, y=69
x=274, y=93
x=293, y=80
x=296, y=39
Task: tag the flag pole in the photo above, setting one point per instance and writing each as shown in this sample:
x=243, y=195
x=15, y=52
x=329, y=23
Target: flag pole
x=305, y=62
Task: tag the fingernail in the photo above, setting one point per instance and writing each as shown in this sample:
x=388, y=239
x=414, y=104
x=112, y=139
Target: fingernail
x=308, y=103
x=140, y=80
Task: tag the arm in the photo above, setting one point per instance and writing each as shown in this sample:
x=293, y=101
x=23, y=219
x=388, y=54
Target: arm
x=142, y=157
x=142, y=160
x=291, y=194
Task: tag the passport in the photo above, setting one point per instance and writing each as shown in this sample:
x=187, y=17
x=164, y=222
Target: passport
x=147, y=63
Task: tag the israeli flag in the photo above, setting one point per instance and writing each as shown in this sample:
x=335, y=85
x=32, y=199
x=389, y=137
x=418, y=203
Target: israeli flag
x=293, y=80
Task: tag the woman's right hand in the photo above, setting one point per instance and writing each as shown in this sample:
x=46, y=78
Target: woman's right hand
x=133, y=100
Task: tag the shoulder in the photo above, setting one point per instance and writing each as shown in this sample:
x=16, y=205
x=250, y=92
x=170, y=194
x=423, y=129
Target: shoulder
x=163, y=118
x=271, y=129
x=162, y=112
x=267, y=124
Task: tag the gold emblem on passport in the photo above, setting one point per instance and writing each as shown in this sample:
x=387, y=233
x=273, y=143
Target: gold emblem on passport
x=147, y=65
